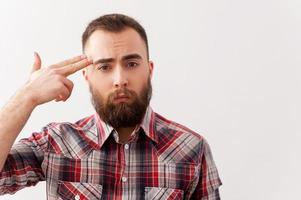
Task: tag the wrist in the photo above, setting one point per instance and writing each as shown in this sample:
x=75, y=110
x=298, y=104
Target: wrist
x=26, y=94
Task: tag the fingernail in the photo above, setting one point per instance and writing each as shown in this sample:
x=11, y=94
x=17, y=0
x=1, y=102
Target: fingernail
x=83, y=56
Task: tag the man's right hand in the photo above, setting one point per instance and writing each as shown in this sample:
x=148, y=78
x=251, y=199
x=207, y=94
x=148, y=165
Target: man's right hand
x=44, y=85
x=51, y=83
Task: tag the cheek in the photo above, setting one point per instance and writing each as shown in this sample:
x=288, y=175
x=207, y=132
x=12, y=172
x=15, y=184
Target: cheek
x=101, y=89
x=139, y=82
x=101, y=83
x=101, y=96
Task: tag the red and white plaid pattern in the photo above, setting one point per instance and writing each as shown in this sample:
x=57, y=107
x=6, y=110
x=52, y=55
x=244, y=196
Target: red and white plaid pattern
x=82, y=160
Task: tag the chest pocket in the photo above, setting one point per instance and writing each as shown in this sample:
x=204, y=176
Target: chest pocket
x=79, y=191
x=159, y=193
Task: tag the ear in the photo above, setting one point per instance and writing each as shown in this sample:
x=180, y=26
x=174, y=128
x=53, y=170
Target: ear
x=85, y=74
x=151, y=68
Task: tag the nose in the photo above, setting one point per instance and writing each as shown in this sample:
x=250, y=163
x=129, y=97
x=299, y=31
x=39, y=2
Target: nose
x=120, y=78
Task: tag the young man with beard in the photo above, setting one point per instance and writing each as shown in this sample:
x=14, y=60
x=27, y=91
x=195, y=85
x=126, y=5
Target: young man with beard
x=124, y=150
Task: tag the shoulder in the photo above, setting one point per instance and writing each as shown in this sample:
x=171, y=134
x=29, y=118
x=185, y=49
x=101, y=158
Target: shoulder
x=60, y=128
x=169, y=128
x=167, y=124
x=64, y=136
x=186, y=144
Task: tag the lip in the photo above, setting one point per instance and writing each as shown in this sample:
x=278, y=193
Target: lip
x=121, y=99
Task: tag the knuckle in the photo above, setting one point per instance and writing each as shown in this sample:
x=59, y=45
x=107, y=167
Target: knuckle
x=60, y=87
x=70, y=83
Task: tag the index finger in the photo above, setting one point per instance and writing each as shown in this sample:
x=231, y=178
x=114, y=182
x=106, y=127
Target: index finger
x=72, y=68
x=70, y=61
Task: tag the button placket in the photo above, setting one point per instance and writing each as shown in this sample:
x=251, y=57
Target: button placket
x=124, y=177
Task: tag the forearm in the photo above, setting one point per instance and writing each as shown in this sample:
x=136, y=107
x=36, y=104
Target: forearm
x=13, y=117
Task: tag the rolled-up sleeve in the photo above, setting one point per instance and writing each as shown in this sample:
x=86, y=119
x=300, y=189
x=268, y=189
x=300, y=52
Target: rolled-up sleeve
x=209, y=181
x=22, y=167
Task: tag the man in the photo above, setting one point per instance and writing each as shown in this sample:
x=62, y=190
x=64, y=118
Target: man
x=124, y=150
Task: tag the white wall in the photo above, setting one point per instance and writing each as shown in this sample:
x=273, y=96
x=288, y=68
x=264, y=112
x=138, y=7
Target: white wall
x=229, y=69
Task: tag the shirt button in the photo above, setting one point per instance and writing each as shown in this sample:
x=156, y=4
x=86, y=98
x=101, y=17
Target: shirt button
x=126, y=146
x=77, y=197
x=124, y=179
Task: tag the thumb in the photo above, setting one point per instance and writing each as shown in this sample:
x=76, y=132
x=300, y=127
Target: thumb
x=37, y=62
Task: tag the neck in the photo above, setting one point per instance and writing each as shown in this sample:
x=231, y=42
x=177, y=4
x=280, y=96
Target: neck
x=124, y=134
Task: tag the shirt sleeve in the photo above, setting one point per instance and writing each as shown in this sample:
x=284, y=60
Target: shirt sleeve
x=208, y=184
x=22, y=167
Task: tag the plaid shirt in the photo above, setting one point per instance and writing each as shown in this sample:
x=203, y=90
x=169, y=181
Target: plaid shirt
x=82, y=160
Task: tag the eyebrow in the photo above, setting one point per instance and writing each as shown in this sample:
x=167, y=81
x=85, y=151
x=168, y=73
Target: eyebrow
x=126, y=57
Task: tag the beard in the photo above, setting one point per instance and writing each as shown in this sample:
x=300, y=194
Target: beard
x=122, y=114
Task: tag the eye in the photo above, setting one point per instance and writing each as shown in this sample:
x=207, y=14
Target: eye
x=103, y=67
x=132, y=64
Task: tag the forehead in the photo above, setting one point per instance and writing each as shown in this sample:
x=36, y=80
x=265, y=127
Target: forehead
x=106, y=44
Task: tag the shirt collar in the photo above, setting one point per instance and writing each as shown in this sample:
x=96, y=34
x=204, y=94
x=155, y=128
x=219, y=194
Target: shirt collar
x=104, y=130
x=148, y=124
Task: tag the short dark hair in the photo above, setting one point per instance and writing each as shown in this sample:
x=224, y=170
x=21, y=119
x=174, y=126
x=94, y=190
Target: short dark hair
x=114, y=23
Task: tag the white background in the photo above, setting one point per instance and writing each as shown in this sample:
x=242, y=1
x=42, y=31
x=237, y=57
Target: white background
x=228, y=69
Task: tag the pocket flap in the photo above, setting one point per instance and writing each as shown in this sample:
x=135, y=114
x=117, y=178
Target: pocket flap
x=79, y=191
x=156, y=193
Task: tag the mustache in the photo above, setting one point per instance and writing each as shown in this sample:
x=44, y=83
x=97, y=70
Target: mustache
x=121, y=92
